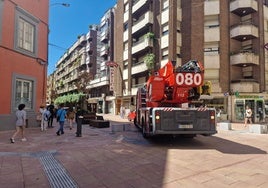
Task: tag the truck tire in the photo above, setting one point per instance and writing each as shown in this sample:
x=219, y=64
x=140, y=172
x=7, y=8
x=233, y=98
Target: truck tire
x=144, y=134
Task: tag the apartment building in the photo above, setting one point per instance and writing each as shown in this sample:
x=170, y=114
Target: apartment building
x=23, y=58
x=227, y=36
x=92, y=53
x=102, y=86
x=79, y=58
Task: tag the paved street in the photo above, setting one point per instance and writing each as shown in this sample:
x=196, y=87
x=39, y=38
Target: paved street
x=102, y=158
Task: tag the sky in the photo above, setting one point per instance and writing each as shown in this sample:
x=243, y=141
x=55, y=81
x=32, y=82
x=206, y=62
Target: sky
x=66, y=23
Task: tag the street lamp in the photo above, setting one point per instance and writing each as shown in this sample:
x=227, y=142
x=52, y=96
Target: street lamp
x=63, y=4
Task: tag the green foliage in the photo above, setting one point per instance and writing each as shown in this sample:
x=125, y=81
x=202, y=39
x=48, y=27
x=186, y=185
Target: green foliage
x=149, y=61
x=70, y=98
x=149, y=35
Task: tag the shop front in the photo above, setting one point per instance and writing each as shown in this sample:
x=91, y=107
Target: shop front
x=232, y=107
x=257, y=105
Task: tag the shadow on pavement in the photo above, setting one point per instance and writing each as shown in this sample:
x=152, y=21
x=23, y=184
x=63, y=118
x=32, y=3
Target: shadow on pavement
x=199, y=142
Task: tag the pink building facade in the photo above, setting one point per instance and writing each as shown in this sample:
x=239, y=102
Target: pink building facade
x=23, y=58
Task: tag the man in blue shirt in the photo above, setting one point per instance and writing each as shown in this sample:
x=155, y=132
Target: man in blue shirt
x=61, y=113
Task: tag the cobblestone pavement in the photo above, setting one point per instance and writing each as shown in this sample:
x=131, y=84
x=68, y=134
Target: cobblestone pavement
x=124, y=159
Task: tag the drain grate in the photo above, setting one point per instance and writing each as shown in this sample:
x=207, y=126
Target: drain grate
x=57, y=175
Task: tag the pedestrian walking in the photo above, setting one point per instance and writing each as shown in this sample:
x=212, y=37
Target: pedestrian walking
x=51, y=109
x=61, y=114
x=20, y=123
x=70, y=117
x=248, y=116
x=122, y=112
x=45, y=117
x=41, y=111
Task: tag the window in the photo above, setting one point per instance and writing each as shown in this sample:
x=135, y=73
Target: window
x=23, y=92
x=25, y=32
x=125, y=26
x=211, y=48
x=126, y=7
x=165, y=5
x=25, y=35
x=165, y=30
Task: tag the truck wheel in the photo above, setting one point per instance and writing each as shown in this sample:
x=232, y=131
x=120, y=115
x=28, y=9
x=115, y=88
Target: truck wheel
x=144, y=133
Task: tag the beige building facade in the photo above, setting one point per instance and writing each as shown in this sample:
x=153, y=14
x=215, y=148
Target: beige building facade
x=227, y=36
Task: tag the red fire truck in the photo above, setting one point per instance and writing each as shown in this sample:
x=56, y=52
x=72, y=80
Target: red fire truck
x=163, y=105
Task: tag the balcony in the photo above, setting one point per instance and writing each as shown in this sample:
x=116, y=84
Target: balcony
x=138, y=68
x=244, y=32
x=145, y=20
x=89, y=60
x=244, y=58
x=103, y=66
x=89, y=48
x=98, y=82
x=243, y=7
x=137, y=5
x=141, y=45
x=104, y=36
x=83, y=61
x=104, y=51
x=81, y=40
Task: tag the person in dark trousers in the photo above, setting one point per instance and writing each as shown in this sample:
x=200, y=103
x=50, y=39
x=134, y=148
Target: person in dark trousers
x=61, y=115
x=51, y=109
x=79, y=119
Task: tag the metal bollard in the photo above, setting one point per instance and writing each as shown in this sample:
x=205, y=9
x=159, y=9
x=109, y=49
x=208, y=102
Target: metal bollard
x=79, y=126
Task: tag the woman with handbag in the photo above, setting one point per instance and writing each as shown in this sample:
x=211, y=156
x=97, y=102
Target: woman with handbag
x=20, y=123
